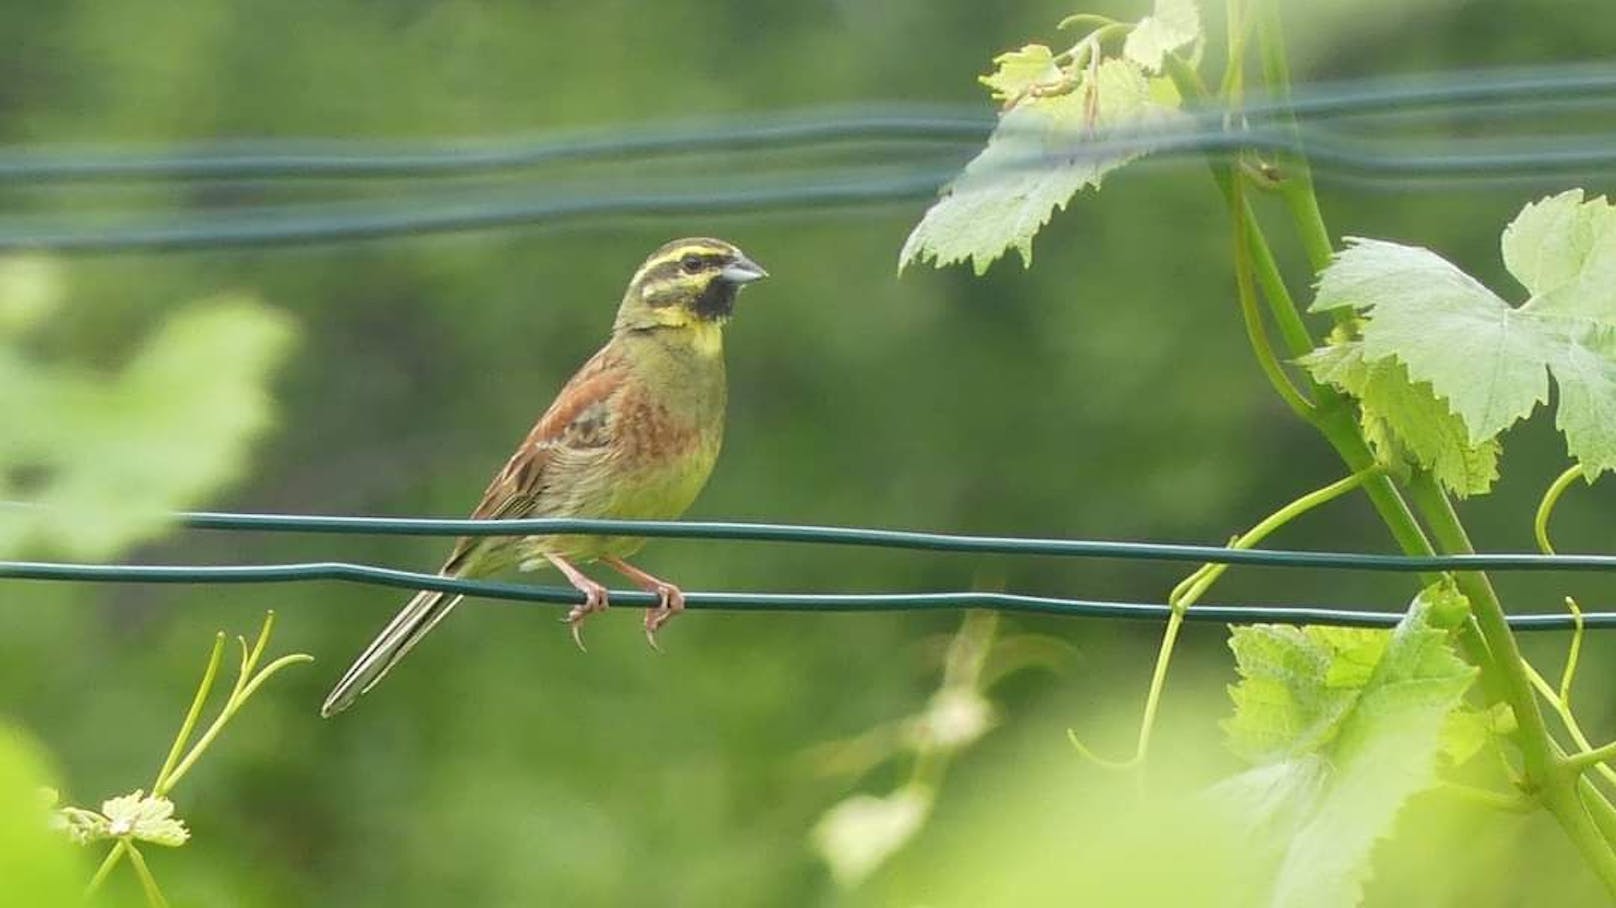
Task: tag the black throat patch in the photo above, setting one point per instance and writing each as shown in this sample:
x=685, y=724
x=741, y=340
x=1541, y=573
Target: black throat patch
x=717, y=302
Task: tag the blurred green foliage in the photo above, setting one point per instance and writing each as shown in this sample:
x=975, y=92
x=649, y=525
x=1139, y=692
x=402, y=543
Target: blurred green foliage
x=1106, y=393
x=37, y=866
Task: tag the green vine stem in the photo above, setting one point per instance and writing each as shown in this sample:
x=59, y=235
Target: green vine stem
x=1545, y=768
x=1568, y=719
x=1580, y=762
x=1540, y=529
x=248, y=679
x=1297, y=184
x=107, y=863
x=1487, y=639
x=1080, y=19
x=148, y=883
x=1573, y=653
x=1189, y=591
x=1545, y=508
x=1560, y=700
x=193, y=715
x=1256, y=333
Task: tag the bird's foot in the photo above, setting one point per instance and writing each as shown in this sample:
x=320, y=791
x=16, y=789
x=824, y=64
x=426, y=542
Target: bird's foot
x=594, y=601
x=670, y=602
x=594, y=598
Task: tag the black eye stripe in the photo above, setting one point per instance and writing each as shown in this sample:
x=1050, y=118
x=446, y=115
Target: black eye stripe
x=667, y=267
x=659, y=272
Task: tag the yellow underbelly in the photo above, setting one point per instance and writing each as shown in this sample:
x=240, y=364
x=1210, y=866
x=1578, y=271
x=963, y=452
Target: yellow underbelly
x=656, y=495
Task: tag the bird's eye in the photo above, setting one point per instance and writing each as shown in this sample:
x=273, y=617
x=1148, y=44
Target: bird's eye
x=691, y=264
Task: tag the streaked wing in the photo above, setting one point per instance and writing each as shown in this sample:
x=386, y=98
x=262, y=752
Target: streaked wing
x=573, y=435
x=578, y=426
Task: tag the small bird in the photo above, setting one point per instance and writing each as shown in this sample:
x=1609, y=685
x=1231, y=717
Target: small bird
x=633, y=435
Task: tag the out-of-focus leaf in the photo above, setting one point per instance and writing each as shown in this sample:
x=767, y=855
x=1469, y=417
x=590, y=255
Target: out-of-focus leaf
x=145, y=818
x=857, y=835
x=1174, y=24
x=109, y=458
x=38, y=868
x=1036, y=160
x=1297, y=685
x=1017, y=71
x=30, y=288
x=1364, y=743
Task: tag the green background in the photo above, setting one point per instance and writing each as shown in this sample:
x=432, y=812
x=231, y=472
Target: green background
x=1105, y=393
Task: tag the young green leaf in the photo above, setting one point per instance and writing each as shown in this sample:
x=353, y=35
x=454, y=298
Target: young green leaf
x=1174, y=24
x=1297, y=684
x=1034, y=162
x=1404, y=421
x=1321, y=799
x=1491, y=361
x=137, y=816
x=1020, y=71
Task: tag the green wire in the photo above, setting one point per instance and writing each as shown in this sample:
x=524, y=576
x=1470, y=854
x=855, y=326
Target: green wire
x=760, y=602
x=1508, y=92
x=890, y=539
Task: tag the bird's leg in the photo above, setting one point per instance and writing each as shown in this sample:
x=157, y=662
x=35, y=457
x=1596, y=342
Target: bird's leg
x=670, y=601
x=594, y=596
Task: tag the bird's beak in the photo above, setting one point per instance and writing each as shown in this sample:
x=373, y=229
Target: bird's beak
x=743, y=271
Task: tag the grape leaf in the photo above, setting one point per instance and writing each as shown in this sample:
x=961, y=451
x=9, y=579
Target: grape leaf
x=1404, y=421
x=1489, y=360
x=1560, y=240
x=1469, y=729
x=1020, y=70
x=1033, y=164
x=1472, y=347
x=1173, y=24
x=1585, y=370
x=1338, y=751
x=1297, y=684
x=110, y=457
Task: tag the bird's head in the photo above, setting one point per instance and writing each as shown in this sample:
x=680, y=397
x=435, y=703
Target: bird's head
x=687, y=283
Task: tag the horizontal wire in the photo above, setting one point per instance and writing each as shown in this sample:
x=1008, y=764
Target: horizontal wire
x=879, y=538
x=1472, y=92
x=284, y=225
x=317, y=160
x=1335, y=155
x=734, y=601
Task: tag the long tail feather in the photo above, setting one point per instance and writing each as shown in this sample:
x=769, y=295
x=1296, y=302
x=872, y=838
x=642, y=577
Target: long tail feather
x=401, y=634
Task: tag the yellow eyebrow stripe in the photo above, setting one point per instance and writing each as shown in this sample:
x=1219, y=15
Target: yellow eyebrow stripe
x=677, y=253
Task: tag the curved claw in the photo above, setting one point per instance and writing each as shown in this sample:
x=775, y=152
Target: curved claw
x=594, y=598
x=670, y=602
x=594, y=601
